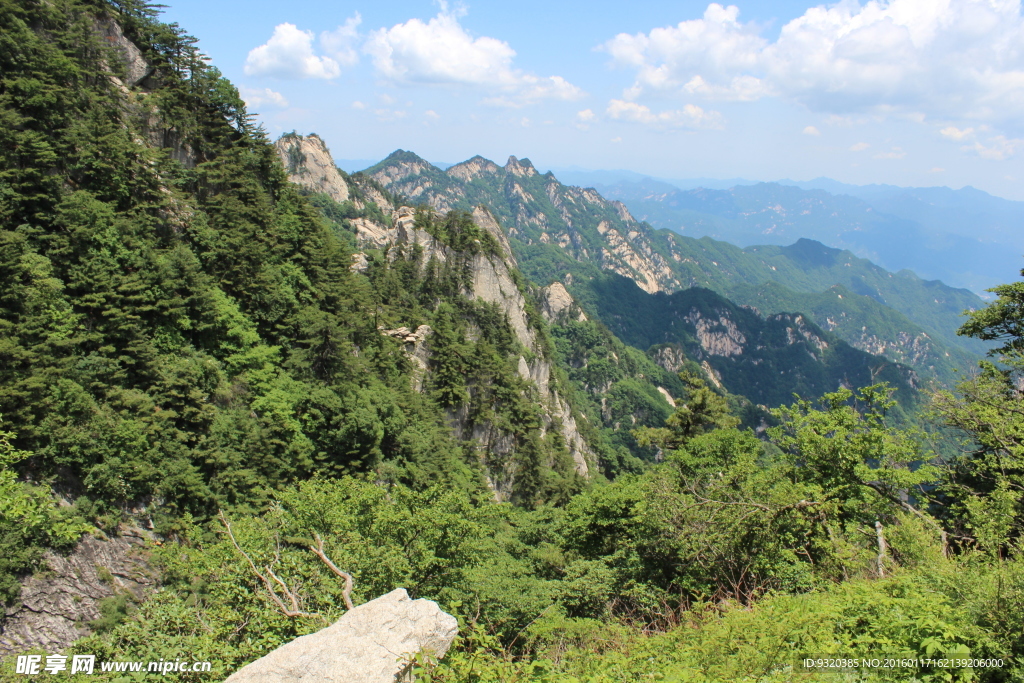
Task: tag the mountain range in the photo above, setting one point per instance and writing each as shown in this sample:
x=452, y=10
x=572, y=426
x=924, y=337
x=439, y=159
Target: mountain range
x=572, y=235
x=966, y=238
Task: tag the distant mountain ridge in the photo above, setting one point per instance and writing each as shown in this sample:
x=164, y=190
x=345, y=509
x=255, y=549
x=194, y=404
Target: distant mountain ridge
x=562, y=232
x=963, y=237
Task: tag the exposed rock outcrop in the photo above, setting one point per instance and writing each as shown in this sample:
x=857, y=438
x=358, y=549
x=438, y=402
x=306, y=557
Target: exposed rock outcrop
x=670, y=356
x=473, y=168
x=135, y=67
x=555, y=301
x=668, y=397
x=717, y=336
x=55, y=608
x=309, y=163
x=372, y=643
x=491, y=281
x=416, y=348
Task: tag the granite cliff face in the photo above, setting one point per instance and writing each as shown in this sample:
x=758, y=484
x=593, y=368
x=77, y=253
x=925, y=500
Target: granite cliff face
x=490, y=279
x=309, y=163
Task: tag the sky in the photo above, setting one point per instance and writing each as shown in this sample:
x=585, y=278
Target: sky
x=905, y=92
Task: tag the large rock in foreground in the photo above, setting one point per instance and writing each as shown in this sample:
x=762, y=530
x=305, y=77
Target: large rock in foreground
x=367, y=645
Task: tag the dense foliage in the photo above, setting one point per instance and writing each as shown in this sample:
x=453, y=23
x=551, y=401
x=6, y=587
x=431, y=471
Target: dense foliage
x=179, y=326
x=767, y=359
x=185, y=345
x=730, y=561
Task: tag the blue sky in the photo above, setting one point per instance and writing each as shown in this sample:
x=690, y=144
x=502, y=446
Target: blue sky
x=908, y=92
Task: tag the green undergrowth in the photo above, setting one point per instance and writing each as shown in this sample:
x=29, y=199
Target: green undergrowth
x=966, y=609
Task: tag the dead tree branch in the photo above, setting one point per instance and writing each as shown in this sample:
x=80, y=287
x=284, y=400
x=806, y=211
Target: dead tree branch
x=346, y=593
x=294, y=611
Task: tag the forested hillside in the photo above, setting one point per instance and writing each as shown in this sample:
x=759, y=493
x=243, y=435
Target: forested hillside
x=260, y=372
x=559, y=231
x=767, y=360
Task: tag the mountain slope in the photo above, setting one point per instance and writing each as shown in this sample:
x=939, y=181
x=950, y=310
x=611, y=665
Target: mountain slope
x=628, y=391
x=766, y=359
x=557, y=230
x=181, y=329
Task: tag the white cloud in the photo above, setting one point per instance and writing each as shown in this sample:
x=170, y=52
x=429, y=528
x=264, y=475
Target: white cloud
x=859, y=147
x=997, y=148
x=954, y=133
x=690, y=116
x=982, y=142
x=258, y=97
x=894, y=153
x=584, y=119
x=358, y=105
x=389, y=115
x=289, y=55
x=937, y=169
x=811, y=130
x=341, y=42
x=947, y=59
x=706, y=56
x=431, y=114
x=441, y=52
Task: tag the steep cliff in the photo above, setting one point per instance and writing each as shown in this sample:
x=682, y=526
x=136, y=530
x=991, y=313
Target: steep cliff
x=489, y=276
x=309, y=163
x=491, y=279
x=58, y=604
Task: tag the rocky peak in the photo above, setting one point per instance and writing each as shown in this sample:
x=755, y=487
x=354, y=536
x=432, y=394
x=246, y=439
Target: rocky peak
x=477, y=166
x=520, y=168
x=401, y=165
x=309, y=164
x=483, y=217
x=623, y=212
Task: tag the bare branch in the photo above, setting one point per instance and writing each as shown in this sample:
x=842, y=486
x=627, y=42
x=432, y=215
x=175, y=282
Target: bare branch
x=294, y=611
x=346, y=593
x=883, y=547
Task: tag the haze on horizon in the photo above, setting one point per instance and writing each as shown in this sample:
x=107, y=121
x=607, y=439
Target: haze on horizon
x=904, y=92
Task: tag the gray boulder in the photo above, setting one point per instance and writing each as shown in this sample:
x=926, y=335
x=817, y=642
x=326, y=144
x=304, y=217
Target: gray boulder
x=370, y=644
